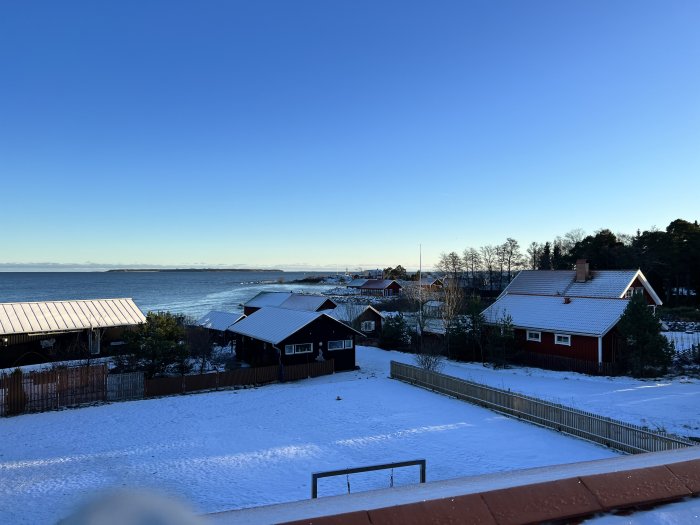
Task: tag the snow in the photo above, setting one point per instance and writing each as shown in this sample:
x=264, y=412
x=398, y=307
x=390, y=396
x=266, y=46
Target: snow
x=667, y=404
x=681, y=513
x=240, y=448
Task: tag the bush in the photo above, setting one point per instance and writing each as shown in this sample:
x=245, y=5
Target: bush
x=394, y=333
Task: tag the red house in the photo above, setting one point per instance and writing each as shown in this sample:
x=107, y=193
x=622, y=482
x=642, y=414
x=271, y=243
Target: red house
x=570, y=313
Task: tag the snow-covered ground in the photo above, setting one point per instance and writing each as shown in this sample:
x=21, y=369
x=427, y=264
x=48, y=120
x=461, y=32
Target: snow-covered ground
x=234, y=449
x=672, y=405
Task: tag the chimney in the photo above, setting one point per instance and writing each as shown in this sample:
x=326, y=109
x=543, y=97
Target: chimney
x=582, y=273
x=567, y=300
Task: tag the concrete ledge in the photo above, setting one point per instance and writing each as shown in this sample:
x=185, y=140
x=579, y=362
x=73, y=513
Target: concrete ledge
x=425, y=499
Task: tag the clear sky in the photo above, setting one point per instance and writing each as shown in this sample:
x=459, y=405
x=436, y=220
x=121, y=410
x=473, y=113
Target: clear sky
x=324, y=133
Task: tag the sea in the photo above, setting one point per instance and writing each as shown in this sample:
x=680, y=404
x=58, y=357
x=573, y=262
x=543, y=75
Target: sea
x=190, y=293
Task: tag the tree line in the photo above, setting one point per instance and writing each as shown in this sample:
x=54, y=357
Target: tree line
x=670, y=259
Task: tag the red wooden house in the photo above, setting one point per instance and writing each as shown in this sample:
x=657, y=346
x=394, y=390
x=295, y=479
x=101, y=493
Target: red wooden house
x=570, y=313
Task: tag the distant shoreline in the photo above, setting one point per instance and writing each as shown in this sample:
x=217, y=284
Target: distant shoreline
x=124, y=270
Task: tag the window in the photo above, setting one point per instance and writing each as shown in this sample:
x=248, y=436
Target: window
x=534, y=336
x=339, y=345
x=562, y=339
x=629, y=293
x=367, y=326
x=303, y=348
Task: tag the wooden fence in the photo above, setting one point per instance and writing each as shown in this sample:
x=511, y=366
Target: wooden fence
x=123, y=387
x=617, y=435
x=165, y=386
x=22, y=392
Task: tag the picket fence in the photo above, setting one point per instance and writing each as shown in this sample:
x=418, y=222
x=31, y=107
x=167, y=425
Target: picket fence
x=612, y=433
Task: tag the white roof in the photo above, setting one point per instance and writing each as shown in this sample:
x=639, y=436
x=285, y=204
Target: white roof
x=343, y=313
x=274, y=324
x=292, y=301
x=304, y=302
x=216, y=320
x=61, y=316
x=582, y=315
x=603, y=283
x=269, y=299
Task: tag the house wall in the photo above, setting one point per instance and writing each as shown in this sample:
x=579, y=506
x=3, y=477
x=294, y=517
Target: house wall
x=318, y=333
x=369, y=315
x=327, y=305
x=582, y=347
x=637, y=284
x=247, y=310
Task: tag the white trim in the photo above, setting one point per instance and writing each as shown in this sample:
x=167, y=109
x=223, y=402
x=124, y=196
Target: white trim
x=600, y=350
x=294, y=350
x=568, y=337
x=339, y=344
x=536, y=339
x=368, y=326
x=646, y=286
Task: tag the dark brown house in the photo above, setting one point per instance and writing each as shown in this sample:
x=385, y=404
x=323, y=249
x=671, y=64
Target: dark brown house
x=364, y=318
x=570, y=313
x=290, y=337
x=380, y=287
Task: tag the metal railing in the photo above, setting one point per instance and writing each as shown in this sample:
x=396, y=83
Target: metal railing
x=618, y=435
x=343, y=472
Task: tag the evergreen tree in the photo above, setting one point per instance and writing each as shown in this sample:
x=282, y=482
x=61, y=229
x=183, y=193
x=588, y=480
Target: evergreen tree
x=545, y=260
x=157, y=344
x=645, y=351
x=394, y=333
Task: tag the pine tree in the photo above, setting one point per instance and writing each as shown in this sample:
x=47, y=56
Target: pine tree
x=645, y=351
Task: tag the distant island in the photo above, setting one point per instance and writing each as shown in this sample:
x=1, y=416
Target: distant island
x=192, y=270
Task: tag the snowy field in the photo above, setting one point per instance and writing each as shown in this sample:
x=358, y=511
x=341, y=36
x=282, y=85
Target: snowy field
x=235, y=449
x=672, y=405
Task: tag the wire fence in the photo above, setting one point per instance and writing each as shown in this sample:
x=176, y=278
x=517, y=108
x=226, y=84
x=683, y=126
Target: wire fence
x=612, y=433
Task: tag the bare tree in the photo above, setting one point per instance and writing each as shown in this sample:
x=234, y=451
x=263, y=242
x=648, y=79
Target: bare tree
x=453, y=300
x=353, y=310
x=534, y=251
x=512, y=257
x=451, y=264
x=488, y=259
x=472, y=263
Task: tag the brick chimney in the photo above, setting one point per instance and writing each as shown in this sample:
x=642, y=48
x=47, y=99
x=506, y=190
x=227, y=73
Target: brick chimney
x=582, y=272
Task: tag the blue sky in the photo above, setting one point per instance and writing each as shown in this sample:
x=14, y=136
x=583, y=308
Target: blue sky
x=315, y=134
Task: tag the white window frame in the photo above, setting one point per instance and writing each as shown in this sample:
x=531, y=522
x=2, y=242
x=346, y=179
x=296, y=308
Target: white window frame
x=348, y=343
x=293, y=349
x=628, y=293
x=568, y=339
x=537, y=336
x=367, y=326
x=336, y=345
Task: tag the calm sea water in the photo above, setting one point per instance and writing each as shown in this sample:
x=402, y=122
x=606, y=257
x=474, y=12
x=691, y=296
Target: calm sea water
x=192, y=293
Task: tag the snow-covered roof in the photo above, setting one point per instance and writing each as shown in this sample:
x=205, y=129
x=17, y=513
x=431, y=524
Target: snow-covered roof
x=602, y=283
x=378, y=284
x=304, y=302
x=356, y=283
x=430, y=281
x=343, y=312
x=268, y=299
x=274, y=325
x=216, y=320
x=434, y=304
x=59, y=316
x=292, y=301
x=581, y=315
